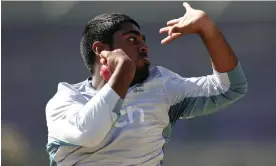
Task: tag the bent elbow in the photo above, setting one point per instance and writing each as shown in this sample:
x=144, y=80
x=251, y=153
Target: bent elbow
x=245, y=88
x=238, y=91
x=242, y=89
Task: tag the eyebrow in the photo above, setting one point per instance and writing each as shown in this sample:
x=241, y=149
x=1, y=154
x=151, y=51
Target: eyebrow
x=136, y=33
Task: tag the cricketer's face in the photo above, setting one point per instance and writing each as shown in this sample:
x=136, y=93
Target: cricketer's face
x=132, y=42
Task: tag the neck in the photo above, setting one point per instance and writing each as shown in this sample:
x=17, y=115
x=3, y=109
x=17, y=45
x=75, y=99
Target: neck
x=97, y=82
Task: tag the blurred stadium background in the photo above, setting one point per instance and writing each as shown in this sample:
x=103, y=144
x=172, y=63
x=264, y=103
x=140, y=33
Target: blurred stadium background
x=40, y=47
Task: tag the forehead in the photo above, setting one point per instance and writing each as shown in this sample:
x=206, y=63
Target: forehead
x=127, y=28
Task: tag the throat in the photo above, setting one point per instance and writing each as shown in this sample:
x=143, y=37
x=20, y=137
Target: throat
x=97, y=82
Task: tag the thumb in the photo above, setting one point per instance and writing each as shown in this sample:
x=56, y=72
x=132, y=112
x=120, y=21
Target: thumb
x=187, y=6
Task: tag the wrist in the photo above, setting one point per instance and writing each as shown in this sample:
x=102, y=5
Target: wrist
x=208, y=29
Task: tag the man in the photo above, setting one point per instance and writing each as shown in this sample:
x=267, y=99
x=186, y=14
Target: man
x=123, y=114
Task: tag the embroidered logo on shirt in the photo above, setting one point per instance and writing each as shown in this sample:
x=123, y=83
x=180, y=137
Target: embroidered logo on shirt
x=138, y=89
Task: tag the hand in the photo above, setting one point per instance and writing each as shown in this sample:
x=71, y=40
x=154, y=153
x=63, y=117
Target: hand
x=193, y=21
x=111, y=60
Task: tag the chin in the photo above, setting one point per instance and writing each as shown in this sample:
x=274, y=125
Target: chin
x=141, y=75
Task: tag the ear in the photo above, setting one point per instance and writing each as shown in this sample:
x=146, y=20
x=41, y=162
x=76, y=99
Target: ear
x=98, y=47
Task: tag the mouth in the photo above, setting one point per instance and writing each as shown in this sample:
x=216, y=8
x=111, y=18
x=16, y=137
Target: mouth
x=144, y=57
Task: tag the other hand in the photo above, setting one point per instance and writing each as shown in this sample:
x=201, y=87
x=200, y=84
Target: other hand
x=192, y=22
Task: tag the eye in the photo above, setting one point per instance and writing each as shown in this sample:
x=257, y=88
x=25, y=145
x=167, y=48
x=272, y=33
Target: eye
x=132, y=39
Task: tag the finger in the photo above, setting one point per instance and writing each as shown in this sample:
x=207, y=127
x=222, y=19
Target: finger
x=170, y=38
x=187, y=6
x=103, y=61
x=105, y=73
x=173, y=22
x=174, y=29
x=104, y=54
x=164, y=30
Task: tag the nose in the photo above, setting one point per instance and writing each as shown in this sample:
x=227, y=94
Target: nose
x=144, y=48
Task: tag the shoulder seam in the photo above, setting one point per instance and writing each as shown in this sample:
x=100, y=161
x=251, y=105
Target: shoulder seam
x=166, y=92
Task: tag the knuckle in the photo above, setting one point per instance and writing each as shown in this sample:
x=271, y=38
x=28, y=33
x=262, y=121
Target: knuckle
x=107, y=55
x=118, y=50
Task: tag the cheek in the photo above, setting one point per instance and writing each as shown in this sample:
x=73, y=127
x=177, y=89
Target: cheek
x=129, y=49
x=133, y=56
x=131, y=53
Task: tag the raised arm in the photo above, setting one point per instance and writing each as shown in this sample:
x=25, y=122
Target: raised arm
x=203, y=95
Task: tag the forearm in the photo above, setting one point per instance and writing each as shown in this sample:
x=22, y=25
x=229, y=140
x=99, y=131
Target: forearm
x=98, y=116
x=222, y=56
x=70, y=118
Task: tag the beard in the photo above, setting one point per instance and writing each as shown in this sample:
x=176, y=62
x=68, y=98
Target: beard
x=141, y=74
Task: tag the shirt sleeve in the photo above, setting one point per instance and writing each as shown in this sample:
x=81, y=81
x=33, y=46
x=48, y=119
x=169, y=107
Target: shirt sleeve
x=196, y=96
x=73, y=119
